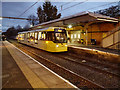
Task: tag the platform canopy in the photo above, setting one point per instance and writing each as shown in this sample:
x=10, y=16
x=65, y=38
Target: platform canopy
x=83, y=17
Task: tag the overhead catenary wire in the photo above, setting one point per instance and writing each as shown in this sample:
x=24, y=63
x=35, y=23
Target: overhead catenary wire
x=65, y=4
x=28, y=8
x=88, y=8
x=101, y=5
x=15, y=18
x=73, y=5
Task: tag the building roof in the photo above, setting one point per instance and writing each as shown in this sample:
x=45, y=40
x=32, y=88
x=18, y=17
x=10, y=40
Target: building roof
x=81, y=17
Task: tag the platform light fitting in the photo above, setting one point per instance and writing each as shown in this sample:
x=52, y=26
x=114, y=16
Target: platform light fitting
x=69, y=26
x=31, y=25
x=1, y=18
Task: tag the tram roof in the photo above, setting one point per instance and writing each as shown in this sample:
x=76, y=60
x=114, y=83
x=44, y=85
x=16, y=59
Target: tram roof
x=43, y=29
x=82, y=17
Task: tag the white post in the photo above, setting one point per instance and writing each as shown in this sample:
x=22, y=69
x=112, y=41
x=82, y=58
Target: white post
x=119, y=10
x=86, y=37
x=0, y=45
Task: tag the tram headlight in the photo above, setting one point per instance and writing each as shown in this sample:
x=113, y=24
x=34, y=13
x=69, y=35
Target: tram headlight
x=46, y=41
x=57, y=45
x=66, y=45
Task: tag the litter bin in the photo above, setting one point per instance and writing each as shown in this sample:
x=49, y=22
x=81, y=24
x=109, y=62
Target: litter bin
x=82, y=41
x=93, y=41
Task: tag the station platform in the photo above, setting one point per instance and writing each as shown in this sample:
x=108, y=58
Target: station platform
x=12, y=76
x=95, y=48
x=22, y=71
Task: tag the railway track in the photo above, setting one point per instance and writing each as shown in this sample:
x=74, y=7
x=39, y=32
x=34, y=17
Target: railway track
x=94, y=65
x=74, y=77
x=103, y=63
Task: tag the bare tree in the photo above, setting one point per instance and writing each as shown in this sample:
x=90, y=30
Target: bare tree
x=33, y=19
x=26, y=27
x=112, y=11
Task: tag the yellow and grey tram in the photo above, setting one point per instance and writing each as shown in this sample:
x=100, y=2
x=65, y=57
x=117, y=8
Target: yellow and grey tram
x=52, y=39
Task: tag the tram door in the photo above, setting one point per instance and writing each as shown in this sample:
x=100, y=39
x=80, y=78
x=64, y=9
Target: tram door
x=28, y=37
x=36, y=37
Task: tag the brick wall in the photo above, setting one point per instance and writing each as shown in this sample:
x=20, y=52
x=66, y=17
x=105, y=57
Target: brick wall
x=96, y=31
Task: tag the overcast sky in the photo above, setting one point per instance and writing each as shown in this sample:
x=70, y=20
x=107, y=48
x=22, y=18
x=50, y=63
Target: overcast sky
x=15, y=9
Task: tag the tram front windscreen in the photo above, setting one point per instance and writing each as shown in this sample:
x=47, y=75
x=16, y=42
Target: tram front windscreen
x=60, y=36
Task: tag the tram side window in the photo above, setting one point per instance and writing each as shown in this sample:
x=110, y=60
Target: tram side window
x=32, y=36
x=25, y=36
x=36, y=36
x=28, y=35
x=39, y=35
x=50, y=36
x=46, y=36
x=19, y=37
x=22, y=36
x=43, y=36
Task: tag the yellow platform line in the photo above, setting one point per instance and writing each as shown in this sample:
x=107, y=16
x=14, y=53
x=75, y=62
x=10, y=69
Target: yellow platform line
x=33, y=79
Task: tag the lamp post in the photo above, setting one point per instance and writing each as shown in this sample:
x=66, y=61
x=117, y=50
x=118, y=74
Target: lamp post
x=118, y=22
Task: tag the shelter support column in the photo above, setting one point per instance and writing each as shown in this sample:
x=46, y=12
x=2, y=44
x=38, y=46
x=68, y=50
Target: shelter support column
x=86, y=35
x=86, y=30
